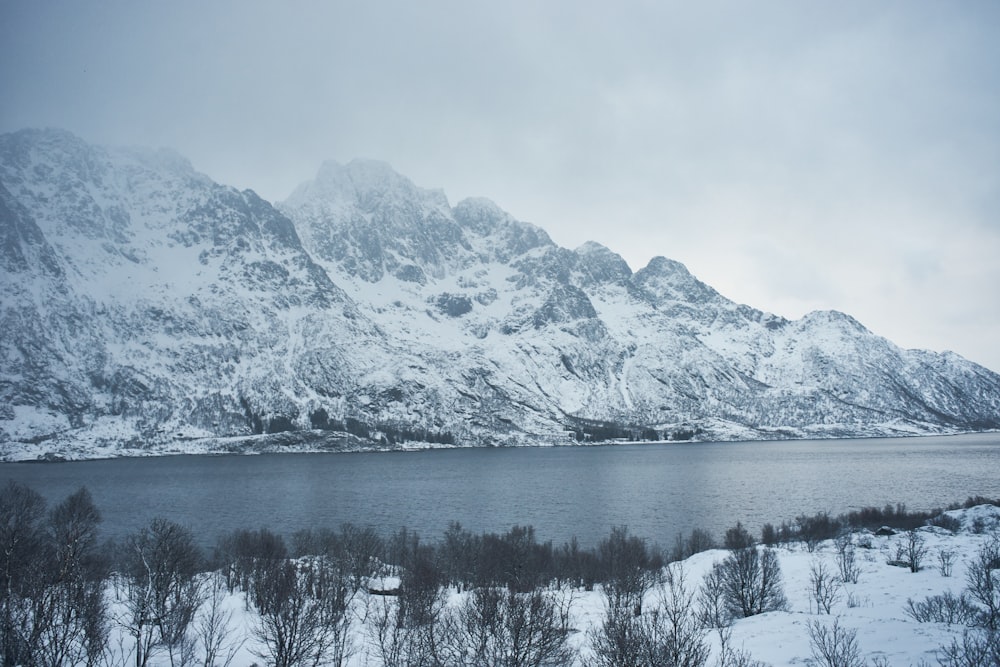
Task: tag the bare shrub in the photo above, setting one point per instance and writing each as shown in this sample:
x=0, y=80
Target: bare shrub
x=407, y=629
x=946, y=561
x=847, y=562
x=398, y=642
x=833, y=646
x=916, y=550
x=853, y=601
x=730, y=656
x=978, y=648
x=617, y=640
x=503, y=627
x=947, y=608
x=813, y=530
x=945, y=521
x=910, y=552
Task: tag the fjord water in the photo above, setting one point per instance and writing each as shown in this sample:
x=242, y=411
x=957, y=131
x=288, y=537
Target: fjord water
x=657, y=490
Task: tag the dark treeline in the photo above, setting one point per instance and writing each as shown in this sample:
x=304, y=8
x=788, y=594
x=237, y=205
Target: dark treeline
x=514, y=560
x=822, y=526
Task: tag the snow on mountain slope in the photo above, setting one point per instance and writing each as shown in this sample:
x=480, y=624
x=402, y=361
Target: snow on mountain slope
x=144, y=302
x=579, y=335
x=159, y=298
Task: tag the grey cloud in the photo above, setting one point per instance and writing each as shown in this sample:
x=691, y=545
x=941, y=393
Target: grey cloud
x=858, y=141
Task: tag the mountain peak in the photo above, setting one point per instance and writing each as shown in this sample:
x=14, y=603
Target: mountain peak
x=665, y=279
x=367, y=184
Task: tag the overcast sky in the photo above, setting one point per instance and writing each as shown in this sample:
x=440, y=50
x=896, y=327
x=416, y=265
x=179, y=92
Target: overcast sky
x=794, y=155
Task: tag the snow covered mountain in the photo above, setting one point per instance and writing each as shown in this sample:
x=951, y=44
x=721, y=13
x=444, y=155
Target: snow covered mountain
x=145, y=305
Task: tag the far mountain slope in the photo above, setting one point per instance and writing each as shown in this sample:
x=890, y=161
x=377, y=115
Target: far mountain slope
x=144, y=303
x=580, y=338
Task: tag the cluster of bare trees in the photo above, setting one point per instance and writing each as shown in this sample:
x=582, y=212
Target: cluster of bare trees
x=63, y=592
x=309, y=598
x=52, y=607
x=326, y=594
x=673, y=629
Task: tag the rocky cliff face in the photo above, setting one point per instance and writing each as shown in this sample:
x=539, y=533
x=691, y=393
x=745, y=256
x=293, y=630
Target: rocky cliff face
x=144, y=303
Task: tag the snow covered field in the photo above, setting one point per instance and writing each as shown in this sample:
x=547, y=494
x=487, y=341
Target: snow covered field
x=874, y=607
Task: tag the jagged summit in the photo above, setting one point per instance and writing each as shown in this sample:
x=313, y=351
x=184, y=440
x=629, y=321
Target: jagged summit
x=371, y=185
x=668, y=280
x=143, y=303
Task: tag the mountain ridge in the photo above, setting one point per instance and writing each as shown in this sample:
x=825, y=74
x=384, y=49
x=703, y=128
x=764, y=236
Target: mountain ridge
x=149, y=305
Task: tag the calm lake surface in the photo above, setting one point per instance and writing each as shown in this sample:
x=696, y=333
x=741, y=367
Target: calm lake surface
x=657, y=490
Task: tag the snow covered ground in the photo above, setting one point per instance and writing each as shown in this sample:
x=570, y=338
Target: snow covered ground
x=875, y=607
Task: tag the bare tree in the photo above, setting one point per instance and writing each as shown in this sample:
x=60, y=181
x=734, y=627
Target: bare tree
x=823, y=587
x=303, y=612
x=983, y=583
x=712, y=609
x=671, y=632
x=737, y=537
x=73, y=598
x=668, y=634
x=243, y=551
x=24, y=552
x=751, y=582
x=699, y=540
x=387, y=630
x=626, y=570
x=617, y=642
x=847, y=561
x=214, y=625
x=358, y=552
x=458, y=551
x=159, y=565
x=407, y=628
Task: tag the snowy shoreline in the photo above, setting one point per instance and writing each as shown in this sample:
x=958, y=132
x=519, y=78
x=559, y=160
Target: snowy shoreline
x=327, y=442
